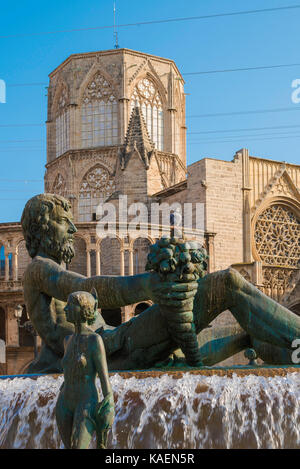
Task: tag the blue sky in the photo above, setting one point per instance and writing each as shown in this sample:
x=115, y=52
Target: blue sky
x=251, y=40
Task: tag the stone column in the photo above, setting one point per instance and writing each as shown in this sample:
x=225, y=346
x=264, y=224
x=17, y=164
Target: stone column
x=122, y=262
x=183, y=145
x=123, y=105
x=12, y=327
x=172, y=134
x=88, y=263
x=15, y=266
x=171, y=131
x=6, y=267
x=246, y=209
x=130, y=261
x=257, y=270
x=73, y=136
x=98, y=262
x=211, y=252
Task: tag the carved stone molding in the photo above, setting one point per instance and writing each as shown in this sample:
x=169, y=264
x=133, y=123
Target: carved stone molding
x=98, y=89
x=278, y=281
x=280, y=185
x=137, y=71
x=59, y=186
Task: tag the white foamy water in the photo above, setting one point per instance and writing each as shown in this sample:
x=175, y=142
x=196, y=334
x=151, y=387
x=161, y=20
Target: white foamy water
x=163, y=412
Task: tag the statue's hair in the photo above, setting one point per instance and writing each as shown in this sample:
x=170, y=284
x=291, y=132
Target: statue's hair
x=88, y=306
x=35, y=218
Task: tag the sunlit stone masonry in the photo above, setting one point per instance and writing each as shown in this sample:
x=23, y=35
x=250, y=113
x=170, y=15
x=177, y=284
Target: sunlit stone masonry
x=116, y=127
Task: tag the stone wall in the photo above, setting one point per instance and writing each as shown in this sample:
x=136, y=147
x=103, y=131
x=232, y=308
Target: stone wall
x=224, y=210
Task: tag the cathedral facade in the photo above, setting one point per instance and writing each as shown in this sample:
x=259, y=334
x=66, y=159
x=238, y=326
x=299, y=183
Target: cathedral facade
x=116, y=127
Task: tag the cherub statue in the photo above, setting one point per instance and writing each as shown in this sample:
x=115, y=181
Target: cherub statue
x=79, y=412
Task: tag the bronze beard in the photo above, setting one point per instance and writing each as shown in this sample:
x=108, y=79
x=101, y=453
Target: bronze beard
x=61, y=251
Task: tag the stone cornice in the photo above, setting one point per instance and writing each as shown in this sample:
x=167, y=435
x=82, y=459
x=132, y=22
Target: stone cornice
x=267, y=160
x=13, y=227
x=123, y=51
x=171, y=190
x=83, y=153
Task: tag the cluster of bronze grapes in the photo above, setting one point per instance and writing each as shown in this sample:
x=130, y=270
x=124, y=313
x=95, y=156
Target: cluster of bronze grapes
x=177, y=260
x=179, y=257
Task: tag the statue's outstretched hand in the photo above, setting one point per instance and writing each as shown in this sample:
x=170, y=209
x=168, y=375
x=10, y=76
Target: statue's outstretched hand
x=173, y=294
x=179, y=265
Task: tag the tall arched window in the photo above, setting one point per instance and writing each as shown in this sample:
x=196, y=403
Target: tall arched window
x=62, y=124
x=95, y=187
x=146, y=96
x=99, y=114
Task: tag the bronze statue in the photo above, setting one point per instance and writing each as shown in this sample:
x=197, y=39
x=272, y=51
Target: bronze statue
x=48, y=229
x=179, y=261
x=79, y=414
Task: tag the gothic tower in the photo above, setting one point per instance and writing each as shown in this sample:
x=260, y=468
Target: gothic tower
x=116, y=124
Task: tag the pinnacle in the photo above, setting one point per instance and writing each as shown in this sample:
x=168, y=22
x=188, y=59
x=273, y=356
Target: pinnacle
x=137, y=139
x=137, y=131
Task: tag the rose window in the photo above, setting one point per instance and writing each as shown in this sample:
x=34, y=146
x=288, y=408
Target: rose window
x=277, y=237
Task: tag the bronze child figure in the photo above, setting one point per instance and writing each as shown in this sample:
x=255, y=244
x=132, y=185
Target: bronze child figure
x=79, y=412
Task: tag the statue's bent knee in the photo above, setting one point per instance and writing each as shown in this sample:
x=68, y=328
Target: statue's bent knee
x=234, y=279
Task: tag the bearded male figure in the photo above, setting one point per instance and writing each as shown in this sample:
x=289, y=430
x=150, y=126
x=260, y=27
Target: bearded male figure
x=144, y=340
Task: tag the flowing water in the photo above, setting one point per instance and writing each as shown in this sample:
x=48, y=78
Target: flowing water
x=193, y=411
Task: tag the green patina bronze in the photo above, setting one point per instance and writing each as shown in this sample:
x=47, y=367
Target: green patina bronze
x=79, y=412
x=178, y=261
x=142, y=342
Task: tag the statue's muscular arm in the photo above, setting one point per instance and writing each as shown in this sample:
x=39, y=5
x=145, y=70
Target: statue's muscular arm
x=49, y=278
x=45, y=279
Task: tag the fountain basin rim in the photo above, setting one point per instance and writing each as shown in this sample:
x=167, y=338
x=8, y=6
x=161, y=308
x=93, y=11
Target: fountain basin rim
x=263, y=370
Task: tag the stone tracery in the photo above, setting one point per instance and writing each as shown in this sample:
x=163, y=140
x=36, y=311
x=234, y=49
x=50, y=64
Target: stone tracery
x=99, y=117
x=146, y=96
x=59, y=186
x=277, y=237
x=95, y=187
x=62, y=122
x=62, y=101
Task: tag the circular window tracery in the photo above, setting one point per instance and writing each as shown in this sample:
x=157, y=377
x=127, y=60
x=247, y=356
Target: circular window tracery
x=277, y=236
x=96, y=186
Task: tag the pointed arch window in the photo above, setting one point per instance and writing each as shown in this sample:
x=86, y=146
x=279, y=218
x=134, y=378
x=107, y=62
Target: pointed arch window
x=146, y=96
x=95, y=187
x=59, y=186
x=99, y=115
x=62, y=124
